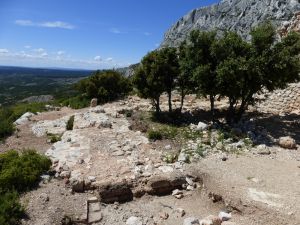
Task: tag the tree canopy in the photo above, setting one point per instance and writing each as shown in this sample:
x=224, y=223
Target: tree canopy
x=105, y=86
x=222, y=66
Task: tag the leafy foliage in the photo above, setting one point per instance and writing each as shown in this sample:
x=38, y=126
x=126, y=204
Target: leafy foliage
x=10, y=114
x=18, y=173
x=77, y=102
x=231, y=67
x=154, y=135
x=157, y=74
x=21, y=171
x=105, y=86
x=10, y=209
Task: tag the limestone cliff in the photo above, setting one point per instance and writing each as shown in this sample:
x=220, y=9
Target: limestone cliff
x=234, y=15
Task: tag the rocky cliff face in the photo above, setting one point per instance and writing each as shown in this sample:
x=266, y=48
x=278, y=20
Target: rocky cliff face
x=235, y=15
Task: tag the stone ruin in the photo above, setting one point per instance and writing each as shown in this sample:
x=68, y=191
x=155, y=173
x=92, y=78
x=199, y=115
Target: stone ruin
x=281, y=101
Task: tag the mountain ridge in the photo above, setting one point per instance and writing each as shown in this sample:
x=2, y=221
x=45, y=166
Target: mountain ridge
x=235, y=15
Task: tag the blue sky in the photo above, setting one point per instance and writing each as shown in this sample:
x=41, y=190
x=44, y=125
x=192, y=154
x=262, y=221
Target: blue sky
x=89, y=34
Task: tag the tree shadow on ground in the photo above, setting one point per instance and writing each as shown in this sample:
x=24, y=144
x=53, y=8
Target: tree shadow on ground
x=278, y=125
x=176, y=118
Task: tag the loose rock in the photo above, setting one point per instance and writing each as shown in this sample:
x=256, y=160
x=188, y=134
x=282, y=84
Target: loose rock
x=287, y=142
x=191, y=221
x=134, y=221
x=211, y=220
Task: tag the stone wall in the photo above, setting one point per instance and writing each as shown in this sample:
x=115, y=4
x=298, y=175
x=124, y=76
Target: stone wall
x=281, y=101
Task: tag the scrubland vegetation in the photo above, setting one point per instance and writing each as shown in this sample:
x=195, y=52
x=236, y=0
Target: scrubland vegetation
x=19, y=172
x=8, y=115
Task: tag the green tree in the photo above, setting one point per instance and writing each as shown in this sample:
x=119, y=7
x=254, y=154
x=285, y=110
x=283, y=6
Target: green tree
x=201, y=62
x=105, y=86
x=156, y=74
x=245, y=69
x=169, y=69
x=185, y=82
x=232, y=72
x=148, y=80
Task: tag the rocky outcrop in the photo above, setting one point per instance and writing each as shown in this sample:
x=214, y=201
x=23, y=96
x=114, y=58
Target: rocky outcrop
x=234, y=15
x=39, y=99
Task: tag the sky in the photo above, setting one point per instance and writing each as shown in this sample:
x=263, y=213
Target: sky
x=85, y=34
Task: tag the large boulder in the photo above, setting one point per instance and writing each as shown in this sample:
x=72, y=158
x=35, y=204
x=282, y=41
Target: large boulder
x=24, y=118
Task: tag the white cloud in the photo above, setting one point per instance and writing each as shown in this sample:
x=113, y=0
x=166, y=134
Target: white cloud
x=57, y=24
x=157, y=45
x=147, y=33
x=60, y=53
x=97, y=58
x=47, y=24
x=24, y=23
x=41, y=58
x=44, y=54
x=27, y=46
x=115, y=30
x=39, y=50
x=3, y=51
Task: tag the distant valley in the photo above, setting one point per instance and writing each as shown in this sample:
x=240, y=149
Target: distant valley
x=18, y=83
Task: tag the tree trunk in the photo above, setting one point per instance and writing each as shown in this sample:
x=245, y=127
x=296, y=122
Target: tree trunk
x=243, y=107
x=182, y=99
x=230, y=113
x=212, y=107
x=157, y=106
x=170, y=101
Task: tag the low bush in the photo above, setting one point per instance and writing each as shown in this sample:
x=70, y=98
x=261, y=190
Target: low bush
x=70, y=123
x=6, y=129
x=154, y=135
x=77, y=102
x=54, y=138
x=8, y=115
x=106, y=86
x=11, y=210
x=18, y=173
x=21, y=171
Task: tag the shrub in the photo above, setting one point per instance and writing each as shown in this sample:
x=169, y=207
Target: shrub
x=105, y=86
x=77, y=102
x=54, y=138
x=6, y=128
x=18, y=173
x=10, y=209
x=170, y=158
x=154, y=135
x=10, y=114
x=70, y=123
x=21, y=171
